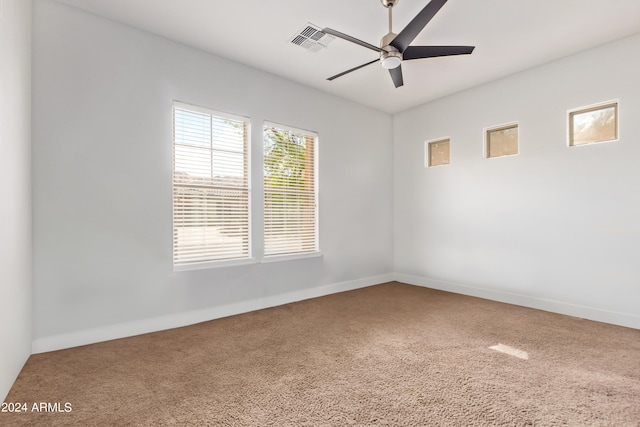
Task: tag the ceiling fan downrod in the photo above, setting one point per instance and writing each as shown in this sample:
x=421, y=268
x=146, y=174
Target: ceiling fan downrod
x=389, y=5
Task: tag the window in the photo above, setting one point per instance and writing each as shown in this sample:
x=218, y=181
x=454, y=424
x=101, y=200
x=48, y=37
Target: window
x=437, y=152
x=597, y=123
x=501, y=141
x=210, y=186
x=290, y=191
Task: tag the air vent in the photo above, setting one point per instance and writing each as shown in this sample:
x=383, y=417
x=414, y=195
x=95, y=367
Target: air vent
x=311, y=38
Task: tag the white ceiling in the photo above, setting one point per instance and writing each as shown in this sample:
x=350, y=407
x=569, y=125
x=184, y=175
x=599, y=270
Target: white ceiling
x=509, y=35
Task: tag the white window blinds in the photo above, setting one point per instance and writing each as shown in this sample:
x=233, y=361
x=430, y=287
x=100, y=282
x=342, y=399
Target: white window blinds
x=210, y=186
x=290, y=191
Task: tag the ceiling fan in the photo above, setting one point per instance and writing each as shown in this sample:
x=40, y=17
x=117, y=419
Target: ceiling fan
x=394, y=48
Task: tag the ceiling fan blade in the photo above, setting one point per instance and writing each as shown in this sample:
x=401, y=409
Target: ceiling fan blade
x=396, y=76
x=419, y=52
x=353, y=69
x=411, y=31
x=350, y=39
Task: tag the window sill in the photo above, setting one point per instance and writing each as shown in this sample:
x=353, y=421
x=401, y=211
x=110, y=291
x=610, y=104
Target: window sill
x=214, y=264
x=290, y=257
x=247, y=261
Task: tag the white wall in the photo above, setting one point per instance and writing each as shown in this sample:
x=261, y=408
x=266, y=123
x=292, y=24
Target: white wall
x=15, y=190
x=553, y=227
x=103, y=94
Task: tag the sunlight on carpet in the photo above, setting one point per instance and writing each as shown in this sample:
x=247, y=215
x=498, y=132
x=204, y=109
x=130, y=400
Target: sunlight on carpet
x=520, y=354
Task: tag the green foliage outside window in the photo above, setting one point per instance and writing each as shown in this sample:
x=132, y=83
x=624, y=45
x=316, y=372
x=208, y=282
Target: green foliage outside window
x=285, y=159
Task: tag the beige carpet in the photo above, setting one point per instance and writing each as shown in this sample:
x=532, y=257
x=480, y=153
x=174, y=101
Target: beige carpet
x=391, y=354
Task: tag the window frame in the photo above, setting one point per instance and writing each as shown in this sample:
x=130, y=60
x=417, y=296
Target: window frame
x=497, y=128
x=267, y=258
x=212, y=262
x=590, y=108
x=427, y=151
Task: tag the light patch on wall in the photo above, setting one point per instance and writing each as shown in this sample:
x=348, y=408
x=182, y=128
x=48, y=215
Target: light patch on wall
x=520, y=354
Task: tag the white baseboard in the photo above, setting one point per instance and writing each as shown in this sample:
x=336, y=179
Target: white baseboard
x=591, y=313
x=129, y=329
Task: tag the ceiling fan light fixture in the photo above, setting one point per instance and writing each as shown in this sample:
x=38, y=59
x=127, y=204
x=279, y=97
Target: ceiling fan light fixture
x=391, y=60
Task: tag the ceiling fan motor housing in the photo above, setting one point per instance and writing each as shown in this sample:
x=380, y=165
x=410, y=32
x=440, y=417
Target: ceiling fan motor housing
x=390, y=57
x=386, y=40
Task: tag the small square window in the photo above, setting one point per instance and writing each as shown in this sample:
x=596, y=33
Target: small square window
x=501, y=141
x=437, y=152
x=597, y=123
